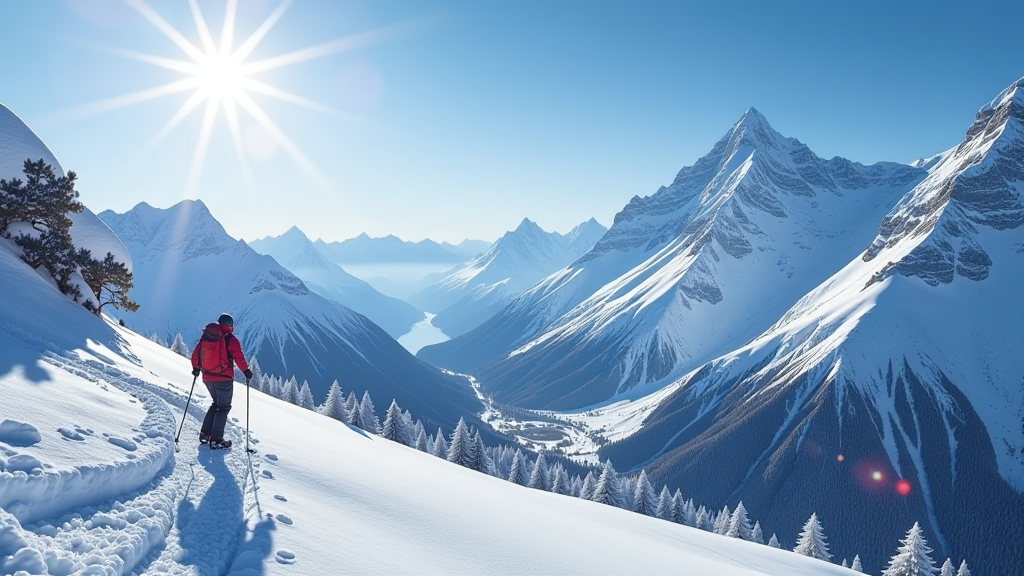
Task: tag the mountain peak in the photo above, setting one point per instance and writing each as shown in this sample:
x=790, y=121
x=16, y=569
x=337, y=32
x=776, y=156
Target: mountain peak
x=528, y=225
x=296, y=233
x=1013, y=93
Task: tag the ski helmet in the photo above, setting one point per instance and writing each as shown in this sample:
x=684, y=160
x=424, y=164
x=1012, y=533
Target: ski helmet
x=226, y=320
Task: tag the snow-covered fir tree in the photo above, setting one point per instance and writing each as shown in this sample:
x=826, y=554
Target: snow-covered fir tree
x=721, y=524
x=539, y=475
x=606, y=491
x=963, y=571
x=703, y=520
x=689, y=514
x=394, y=427
x=664, y=509
x=351, y=408
x=440, y=447
x=368, y=415
x=947, y=568
x=739, y=524
x=179, y=347
x=811, y=541
x=587, y=486
x=560, y=480
x=334, y=405
x=518, y=473
x=417, y=427
x=575, y=485
x=855, y=565
x=460, y=449
x=290, y=391
x=644, y=500
x=481, y=461
x=154, y=337
x=306, y=397
x=757, y=534
x=913, y=557
x=774, y=543
x=422, y=441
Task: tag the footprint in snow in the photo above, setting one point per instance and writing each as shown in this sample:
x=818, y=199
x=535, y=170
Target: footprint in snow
x=285, y=557
x=71, y=435
x=20, y=434
x=271, y=457
x=284, y=520
x=122, y=443
x=279, y=497
x=267, y=474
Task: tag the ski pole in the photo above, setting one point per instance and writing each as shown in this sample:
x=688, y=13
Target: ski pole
x=247, y=449
x=187, y=402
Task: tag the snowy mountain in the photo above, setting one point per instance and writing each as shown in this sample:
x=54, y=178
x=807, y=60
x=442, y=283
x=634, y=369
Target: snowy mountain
x=469, y=295
x=390, y=249
x=91, y=483
x=684, y=275
x=890, y=393
x=296, y=252
x=188, y=271
x=19, y=143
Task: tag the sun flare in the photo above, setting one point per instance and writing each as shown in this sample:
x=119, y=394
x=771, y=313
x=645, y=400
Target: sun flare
x=221, y=77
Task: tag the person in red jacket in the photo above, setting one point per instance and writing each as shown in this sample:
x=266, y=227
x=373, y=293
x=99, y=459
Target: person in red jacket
x=215, y=356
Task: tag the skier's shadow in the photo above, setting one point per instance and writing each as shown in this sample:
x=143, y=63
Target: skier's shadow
x=210, y=532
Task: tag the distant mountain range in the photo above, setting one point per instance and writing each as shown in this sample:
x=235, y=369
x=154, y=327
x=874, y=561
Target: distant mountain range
x=188, y=271
x=297, y=253
x=393, y=250
x=469, y=295
x=800, y=334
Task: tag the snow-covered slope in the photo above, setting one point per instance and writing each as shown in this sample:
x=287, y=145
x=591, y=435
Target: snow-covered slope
x=188, y=271
x=90, y=482
x=690, y=272
x=473, y=293
x=296, y=252
x=19, y=143
x=906, y=362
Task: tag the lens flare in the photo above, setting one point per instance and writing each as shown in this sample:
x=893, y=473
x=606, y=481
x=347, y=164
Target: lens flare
x=877, y=476
x=903, y=487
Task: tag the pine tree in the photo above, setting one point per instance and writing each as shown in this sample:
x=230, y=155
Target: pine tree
x=722, y=521
x=757, y=535
x=422, y=443
x=963, y=571
x=587, y=487
x=575, y=485
x=689, y=515
x=664, y=509
x=352, y=409
x=393, y=424
x=644, y=500
x=539, y=475
x=560, y=481
x=440, y=446
x=290, y=391
x=368, y=414
x=481, y=461
x=703, y=521
x=607, y=489
x=739, y=524
x=912, y=558
x=305, y=398
x=774, y=543
x=855, y=566
x=334, y=405
x=417, y=428
x=108, y=280
x=179, y=347
x=947, y=568
x=811, y=541
x=844, y=564
x=518, y=473
x=460, y=450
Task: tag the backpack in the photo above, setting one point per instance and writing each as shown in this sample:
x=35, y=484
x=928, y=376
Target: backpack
x=214, y=359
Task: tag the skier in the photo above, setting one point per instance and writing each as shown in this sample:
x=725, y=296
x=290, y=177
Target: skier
x=214, y=357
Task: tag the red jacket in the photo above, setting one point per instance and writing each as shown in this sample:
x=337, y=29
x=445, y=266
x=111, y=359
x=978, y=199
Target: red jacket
x=214, y=331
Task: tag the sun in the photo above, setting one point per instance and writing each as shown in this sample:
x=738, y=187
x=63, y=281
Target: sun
x=220, y=78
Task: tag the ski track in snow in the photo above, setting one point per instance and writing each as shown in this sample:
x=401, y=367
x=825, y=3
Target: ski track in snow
x=158, y=512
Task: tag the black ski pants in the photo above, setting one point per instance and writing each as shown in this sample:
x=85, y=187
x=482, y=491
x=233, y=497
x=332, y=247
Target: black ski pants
x=220, y=405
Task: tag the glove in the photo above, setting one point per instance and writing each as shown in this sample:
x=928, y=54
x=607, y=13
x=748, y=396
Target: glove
x=196, y=371
x=248, y=374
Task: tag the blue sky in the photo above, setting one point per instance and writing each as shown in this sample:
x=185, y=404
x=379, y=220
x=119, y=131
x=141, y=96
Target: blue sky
x=456, y=119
